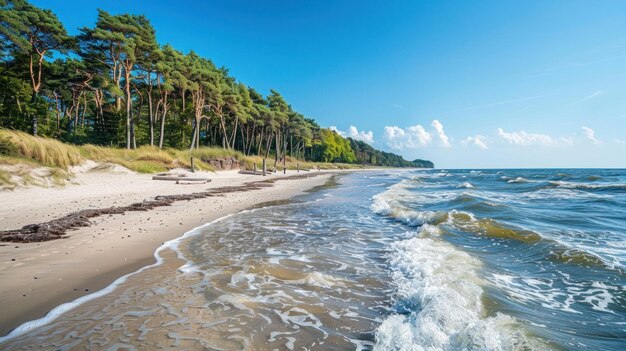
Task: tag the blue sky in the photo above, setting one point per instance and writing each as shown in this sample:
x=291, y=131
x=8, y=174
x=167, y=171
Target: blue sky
x=509, y=83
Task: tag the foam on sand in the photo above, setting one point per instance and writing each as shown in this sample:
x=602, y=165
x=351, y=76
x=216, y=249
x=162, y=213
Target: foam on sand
x=68, y=306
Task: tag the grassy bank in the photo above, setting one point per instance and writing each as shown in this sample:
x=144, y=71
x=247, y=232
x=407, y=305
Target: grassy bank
x=25, y=152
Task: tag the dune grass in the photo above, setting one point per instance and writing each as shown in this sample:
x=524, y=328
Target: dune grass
x=146, y=159
x=5, y=180
x=18, y=148
x=21, y=148
x=47, y=152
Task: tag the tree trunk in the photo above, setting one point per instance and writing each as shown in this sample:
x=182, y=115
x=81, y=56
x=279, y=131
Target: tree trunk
x=183, y=96
x=198, y=133
x=82, y=116
x=193, y=135
x=269, y=143
x=278, y=136
x=36, y=84
x=34, y=114
x=225, y=138
x=135, y=119
x=58, y=110
x=150, y=118
x=100, y=114
x=163, y=121
x=129, y=113
x=285, y=140
x=234, y=134
x=260, y=142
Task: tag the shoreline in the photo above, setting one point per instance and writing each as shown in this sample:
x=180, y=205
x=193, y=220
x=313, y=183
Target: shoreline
x=40, y=276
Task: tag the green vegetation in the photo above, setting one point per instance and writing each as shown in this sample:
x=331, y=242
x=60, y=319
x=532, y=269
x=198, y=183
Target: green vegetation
x=423, y=163
x=19, y=148
x=113, y=85
x=365, y=154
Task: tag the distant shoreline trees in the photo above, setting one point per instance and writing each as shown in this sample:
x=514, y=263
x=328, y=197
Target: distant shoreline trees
x=113, y=84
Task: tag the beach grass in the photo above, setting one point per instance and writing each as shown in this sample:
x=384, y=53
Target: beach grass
x=5, y=180
x=19, y=148
x=45, y=151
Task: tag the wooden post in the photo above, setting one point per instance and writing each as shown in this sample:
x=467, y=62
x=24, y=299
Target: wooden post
x=298, y=167
x=254, y=169
x=284, y=170
x=264, y=168
x=193, y=168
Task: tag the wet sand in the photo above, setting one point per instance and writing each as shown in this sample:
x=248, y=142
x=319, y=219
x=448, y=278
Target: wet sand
x=37, y=277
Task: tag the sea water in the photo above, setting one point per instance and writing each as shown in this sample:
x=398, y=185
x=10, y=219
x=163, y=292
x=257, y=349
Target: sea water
x=385, y=260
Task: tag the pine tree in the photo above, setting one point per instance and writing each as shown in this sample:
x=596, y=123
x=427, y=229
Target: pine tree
x=36, y=33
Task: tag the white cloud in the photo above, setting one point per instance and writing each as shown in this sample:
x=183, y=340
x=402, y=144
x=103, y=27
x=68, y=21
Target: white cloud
x=418, y=134
x=619, y=141
x=355, y=134
x=413, y=137
x=590, y=135
x=443, y=138
x=478, y=141
x=524, y=138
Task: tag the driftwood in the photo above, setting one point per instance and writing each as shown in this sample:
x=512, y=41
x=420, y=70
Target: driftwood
x=177, y=178
x=182, y=182
x=58, y=228
x=245, y=171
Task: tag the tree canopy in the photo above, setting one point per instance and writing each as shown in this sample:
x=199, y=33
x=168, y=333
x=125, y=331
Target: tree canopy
x=114, y=84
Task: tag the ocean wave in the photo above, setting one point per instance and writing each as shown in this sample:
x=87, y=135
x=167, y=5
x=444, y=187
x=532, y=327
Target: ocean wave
x=587, y=186
x=384, y=204
x=541, y=267
x=576, y=256
x=494, y=229
x=388, y=204
x=462, y=220
x=393, y=203
x=439, y=302
x=405, y=203
x=519, y=180
x=556, y=193
x=568, y=298
x=593, y=178
x=466, y=185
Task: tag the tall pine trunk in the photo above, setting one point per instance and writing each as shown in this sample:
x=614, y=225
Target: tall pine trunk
x=150, y=117
x=163, y=121
x=129, y=113
x=33, y=116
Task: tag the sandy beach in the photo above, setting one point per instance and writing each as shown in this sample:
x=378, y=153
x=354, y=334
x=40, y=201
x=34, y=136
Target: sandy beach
x=37, y=277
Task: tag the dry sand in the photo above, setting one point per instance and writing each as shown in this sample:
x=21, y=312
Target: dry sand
x=36, y=277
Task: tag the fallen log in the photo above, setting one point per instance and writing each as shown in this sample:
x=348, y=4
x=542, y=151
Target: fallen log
x=177, y=178
x=244, y=171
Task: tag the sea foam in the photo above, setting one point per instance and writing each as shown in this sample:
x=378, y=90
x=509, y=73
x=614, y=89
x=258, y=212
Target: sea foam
x=438, y=288
x=438, y=301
